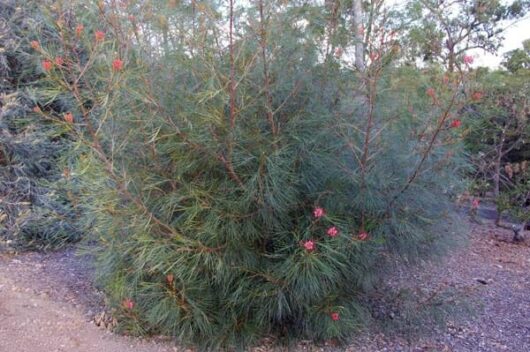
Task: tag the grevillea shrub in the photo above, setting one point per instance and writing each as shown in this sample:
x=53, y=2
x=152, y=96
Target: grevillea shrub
x=35, y=211
x=236, y=181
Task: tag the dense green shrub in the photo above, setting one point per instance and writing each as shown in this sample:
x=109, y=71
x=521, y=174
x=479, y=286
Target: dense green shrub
x=498, y=138
x=242, y=185
x=34, y=211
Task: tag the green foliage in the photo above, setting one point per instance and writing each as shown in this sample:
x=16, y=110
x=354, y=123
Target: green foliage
x=202, y=162
x=34, y=212
x=498, y=131
x=518, y=60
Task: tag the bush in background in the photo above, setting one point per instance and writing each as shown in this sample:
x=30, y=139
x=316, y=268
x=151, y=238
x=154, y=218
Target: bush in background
x=34, y=210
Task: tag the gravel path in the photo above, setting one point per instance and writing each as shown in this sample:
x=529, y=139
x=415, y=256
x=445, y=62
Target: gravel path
x=48, y=303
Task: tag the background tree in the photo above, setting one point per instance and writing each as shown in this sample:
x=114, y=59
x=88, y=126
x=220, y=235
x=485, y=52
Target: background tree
x=498, y=134
x=444, y=31
x=518, y=59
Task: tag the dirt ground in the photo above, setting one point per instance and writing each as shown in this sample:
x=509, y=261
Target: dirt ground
x=48, y=303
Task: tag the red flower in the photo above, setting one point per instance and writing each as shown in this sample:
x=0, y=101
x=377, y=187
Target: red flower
x=100, y=36
x=128, y=303
x=475, y=203
x=332, y=231
x=47, y=65
x=335, y=316
x=456, y=123
x=170, y=278
x=79, y=30
x=363, y=236
x=430, y=92
x=309, y=245
x=69, y=117
x=476, y=96
x=318, y=212
x=117, y=65
x=59, y=61
x=35, y=44
x=468, y=59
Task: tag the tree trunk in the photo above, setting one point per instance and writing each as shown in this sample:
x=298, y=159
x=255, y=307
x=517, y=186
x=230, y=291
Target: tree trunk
x=451, y=57
x=359, y=39
x=497, y=174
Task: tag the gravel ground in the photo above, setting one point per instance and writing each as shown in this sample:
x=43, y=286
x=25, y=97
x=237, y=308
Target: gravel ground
x=48, y=303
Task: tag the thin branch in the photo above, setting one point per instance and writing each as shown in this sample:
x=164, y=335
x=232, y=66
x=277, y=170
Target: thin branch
x=266, y=78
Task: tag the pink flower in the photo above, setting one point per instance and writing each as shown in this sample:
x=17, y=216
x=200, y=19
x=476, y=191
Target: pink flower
x=309, y=245
x=468, y=59
x=79, y=29
x=456, y=123
x=47, y=65
x=335, y=316
x=35, y=44
x=430, y=92
x=59, y=61
x=475, y=203
x=332, y=231
x=363, y=236
x=476, y=96
x=170, y=278
x=69, y=117
x=318, y=212
x=117, y=65
x=128, y=303
x=99, y=35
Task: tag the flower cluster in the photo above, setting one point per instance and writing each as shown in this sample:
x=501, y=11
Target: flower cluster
x=456, y=123
x=47, y=65
x=117, y=65
x=309, y=245
x=476, y=96
x=127, y=303
x=69, y=117
x=332, y=231
x=99, y=36
x=363, y=236
x=468, y=59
